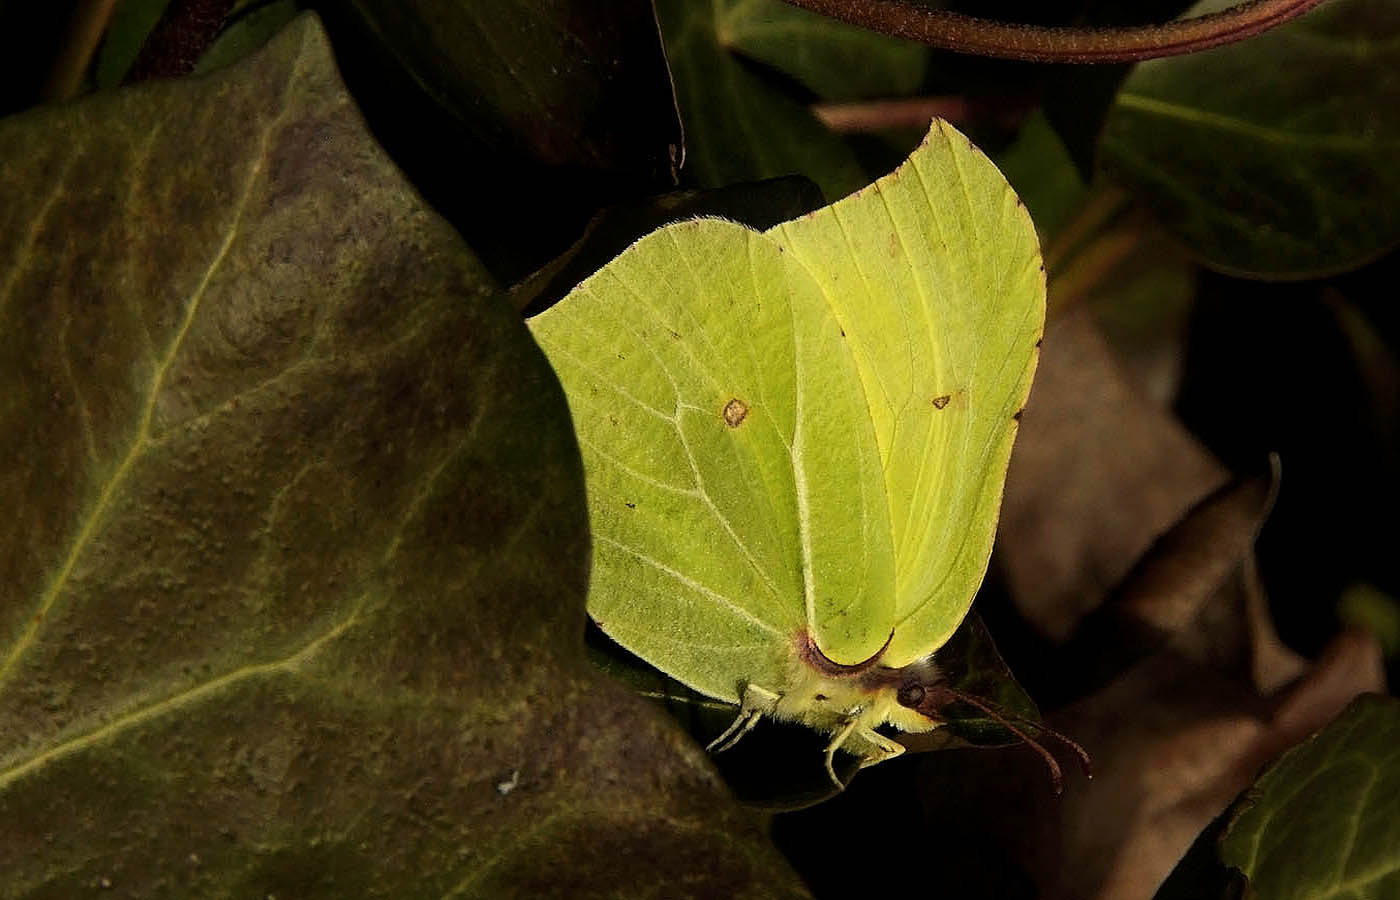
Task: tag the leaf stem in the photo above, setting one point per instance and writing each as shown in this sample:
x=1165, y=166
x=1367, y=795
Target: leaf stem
x=984, y=37
x=867, y=116
x=184, y=32
x=1103, y=205
x=1094, y=263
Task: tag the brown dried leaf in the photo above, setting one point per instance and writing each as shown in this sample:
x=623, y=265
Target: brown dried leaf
x=1097, y=475
x=1178, y=581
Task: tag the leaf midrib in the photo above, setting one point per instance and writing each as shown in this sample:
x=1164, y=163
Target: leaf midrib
x=143, y=431
x=1244, y=128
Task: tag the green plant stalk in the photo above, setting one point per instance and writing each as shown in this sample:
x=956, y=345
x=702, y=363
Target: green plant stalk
x=983, y=37
x=85, y=32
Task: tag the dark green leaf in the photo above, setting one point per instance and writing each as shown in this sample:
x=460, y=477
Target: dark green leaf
x=517, y=120
x=737, y=126
x=834, y=60
x=1274, y=157
x=971, y=664
x=292, y=576
x=545, y=77
x=247, y=33
x=1324, y=821
x=132, y=21
x=1040, y=169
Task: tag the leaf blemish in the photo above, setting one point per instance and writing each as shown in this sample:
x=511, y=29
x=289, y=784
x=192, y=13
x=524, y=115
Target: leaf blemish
x=940, y=402
x=735, y=411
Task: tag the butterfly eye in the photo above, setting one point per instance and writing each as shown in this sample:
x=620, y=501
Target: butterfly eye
x=911, y=694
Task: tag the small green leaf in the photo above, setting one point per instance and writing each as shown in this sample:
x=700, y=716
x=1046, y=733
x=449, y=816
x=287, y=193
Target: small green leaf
x=1274, y=157
x=131, y=23
x=1324, y=821
x=971, y=663
x=795, y=440
x=245, y=34
x=295, y=549
x=1367, y=606
x=737, y=127
x=834, y=60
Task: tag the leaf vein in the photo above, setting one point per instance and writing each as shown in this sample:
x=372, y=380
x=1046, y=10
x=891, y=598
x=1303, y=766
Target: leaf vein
x=141, y=440
x=691, y=583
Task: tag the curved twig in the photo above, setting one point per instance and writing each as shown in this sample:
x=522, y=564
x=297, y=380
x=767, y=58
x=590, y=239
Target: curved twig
x=984, y=37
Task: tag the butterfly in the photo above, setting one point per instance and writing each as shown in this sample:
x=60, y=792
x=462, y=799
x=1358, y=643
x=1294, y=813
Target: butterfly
x=795, y=441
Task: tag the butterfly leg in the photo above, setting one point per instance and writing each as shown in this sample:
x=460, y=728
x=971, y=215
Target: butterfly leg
x=836, y=741
x=883, y=748
x=755, y=702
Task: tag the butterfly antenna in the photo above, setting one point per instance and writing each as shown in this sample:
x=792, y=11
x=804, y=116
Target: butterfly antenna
x=1057, y=777
x=1086, y=764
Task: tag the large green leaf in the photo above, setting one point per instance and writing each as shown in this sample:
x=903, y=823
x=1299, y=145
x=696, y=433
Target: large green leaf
x=1324, y=821
x=291, y=578
x=796, y=439
x=737, y=126
x=1274, y=157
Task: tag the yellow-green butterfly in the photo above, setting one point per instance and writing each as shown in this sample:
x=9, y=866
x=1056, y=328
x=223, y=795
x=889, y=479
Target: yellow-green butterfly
x=795, y=440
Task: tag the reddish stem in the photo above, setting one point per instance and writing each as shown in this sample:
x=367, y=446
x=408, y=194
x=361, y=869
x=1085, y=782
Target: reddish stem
x=184, y=32
x=984, y=37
